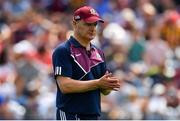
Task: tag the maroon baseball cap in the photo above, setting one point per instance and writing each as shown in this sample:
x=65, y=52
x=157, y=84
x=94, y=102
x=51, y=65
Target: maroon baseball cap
x=87, y=14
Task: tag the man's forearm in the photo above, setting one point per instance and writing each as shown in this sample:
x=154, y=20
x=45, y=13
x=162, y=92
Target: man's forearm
x=68, y=85
x=106, y=82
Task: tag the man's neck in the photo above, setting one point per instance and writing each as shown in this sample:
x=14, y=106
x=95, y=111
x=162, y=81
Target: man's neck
x=82, y=41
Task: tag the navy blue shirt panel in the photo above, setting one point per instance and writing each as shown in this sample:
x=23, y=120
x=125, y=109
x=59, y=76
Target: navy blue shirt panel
x=70, y=60
x=62, y=60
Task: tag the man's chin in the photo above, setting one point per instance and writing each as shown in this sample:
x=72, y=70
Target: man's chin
x=91, y=37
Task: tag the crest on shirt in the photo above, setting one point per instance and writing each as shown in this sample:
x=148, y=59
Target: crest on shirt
x=98, y=56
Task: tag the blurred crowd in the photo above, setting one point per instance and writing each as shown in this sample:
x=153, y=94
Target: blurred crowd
x=140, y=39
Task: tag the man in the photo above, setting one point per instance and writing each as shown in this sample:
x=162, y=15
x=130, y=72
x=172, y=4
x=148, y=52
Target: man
x=80, y=71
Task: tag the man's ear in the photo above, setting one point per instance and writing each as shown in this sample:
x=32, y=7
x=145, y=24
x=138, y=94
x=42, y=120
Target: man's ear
x=74, y=22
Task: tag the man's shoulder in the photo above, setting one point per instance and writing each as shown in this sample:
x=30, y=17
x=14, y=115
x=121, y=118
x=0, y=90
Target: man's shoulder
x=62, y=48
x=94, y=46
x=97, y=48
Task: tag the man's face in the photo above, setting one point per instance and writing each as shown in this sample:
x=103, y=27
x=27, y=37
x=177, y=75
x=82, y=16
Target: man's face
x=86, y=31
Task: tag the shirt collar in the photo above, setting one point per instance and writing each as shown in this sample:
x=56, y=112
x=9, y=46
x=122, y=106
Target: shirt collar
x=75, y=43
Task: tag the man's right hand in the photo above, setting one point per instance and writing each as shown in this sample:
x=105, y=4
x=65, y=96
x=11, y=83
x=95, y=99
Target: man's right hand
x=109, y=82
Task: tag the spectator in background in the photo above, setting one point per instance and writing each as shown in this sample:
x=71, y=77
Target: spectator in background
x=137, y=49
x=170, y=30
x=156, y=48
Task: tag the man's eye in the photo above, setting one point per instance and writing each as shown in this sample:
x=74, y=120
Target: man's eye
x=91, y=24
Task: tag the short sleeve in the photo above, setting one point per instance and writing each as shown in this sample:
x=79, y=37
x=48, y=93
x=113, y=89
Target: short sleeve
x=104, y=67
x=62, y=64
